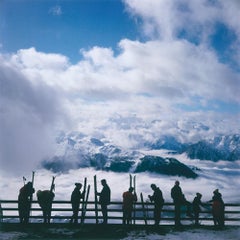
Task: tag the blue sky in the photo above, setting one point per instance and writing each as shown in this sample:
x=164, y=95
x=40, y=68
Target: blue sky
x=64, y=26
x=116, y=69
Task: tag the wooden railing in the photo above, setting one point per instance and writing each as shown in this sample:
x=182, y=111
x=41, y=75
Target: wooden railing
x=62, y=212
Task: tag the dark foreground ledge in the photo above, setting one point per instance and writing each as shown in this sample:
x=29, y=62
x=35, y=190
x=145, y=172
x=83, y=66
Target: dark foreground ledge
x=95, y=231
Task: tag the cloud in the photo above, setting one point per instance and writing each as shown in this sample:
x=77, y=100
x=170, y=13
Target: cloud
x=145, y=82
x=29, y=114
x=164, y=85
x=55, y=11
x=194, y=21
x=210, y=178
x=168, y=18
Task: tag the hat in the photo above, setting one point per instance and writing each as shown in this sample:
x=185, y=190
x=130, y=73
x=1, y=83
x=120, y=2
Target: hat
x=103, y=181
x=78, y=184
x=215, y=191
x=177, y=182
x=131, y=189
x=153, y=185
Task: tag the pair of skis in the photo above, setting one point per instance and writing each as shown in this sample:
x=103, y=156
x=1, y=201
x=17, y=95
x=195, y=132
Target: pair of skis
x=132, y=183
x=144, y=209
x=96, y=198
x=86, y=190
x=31, y=196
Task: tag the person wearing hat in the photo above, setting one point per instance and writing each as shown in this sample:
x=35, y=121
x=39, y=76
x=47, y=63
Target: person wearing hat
x=76, y=196
x=129, y=197
x=178, y=201
x=24, y=203
x=196, y=207
x=104, y=199
x=158, y=200
x=217, y=208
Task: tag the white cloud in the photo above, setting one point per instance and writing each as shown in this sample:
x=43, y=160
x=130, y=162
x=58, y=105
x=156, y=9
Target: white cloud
x=56, y=10
x=195, y=20
x=136, y=92
x=29, y=115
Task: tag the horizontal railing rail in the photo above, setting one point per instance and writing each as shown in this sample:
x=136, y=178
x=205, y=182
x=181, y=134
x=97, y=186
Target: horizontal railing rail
x=62, y=212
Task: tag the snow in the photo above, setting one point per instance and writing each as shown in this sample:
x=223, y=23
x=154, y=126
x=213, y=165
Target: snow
x=229, y=233
x=196, y=234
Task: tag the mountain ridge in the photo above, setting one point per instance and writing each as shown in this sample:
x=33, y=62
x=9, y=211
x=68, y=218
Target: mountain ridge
x=77, y=150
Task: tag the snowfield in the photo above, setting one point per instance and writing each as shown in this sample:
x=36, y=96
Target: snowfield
x=229, y=233
x=197, y=234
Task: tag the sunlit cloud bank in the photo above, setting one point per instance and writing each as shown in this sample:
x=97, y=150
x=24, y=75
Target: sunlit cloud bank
x=209, y=179
x=173, y=83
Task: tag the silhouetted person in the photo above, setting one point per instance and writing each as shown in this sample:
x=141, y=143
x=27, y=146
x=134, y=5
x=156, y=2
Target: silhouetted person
x=75, y=200
x=104, y=199
x=45, y=199
x=158, y=200
x=128, y=199
x=24, y=202
x=196, y=207
x=178, y=200
x=218, y=209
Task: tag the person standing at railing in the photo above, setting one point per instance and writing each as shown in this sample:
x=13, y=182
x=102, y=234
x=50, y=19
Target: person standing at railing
x=45, y=199
x=218, y=208
x=196, y=207
x=24, y=202
x=158, y=200
x=129, y=197
x=178, y=200
x=76, y=196
x=104, y=199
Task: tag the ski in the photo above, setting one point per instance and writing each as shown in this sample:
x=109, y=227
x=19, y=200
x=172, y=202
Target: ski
x=85, y=205
x=96, y=198
x=83, y=198
x=33, y=174
x=52, y=188
x=130, y=180
x=84, y=187
x=31, y=196
x=144, y=209
x=134, y=205
x=134, y=183
x=24, y=181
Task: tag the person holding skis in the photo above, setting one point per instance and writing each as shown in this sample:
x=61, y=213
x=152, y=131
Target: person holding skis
x=218, y=209
x=76, y=196
x=158, y=200
x=45, y=199
x=104, y=199
x=196, y=207
x=179, y=200
x=129, y=197
x=24, y=202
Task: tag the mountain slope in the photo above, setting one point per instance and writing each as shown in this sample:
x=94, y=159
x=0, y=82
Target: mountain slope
x=76, y=150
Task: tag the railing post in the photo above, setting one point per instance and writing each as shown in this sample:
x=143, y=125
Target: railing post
x=1, y=212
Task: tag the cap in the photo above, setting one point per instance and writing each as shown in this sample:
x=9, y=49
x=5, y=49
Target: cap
x=215, y=191
x=131, y=189
x=77, y=184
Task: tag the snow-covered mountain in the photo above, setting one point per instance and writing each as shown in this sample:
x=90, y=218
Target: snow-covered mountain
x=218, y=148
x=76, y=150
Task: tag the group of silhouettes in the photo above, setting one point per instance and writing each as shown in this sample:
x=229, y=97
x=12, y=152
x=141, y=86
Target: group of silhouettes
x=45, y=199
x=193, y=209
